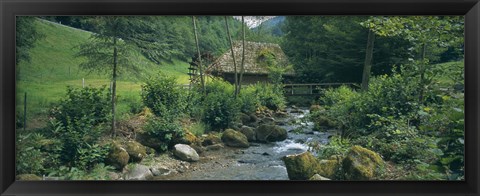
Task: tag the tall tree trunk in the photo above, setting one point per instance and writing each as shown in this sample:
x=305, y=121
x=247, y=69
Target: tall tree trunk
x=422, y=73
x=368, y=60
x=114, y=85
x=200, y=68
x=233, y=57
x=242, y=68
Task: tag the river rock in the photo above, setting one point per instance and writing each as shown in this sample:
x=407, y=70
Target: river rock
x=245, y=118
x=113, y=176
x=117, y=157
x=318, y=177
x=185, y=153
x=161, y=171
x=362, y=164
x=138, y=172
x=28, y=177
x=249, y=132
x=235, y=139
x=270, y=133
x=329, y=168
x=136, y=151
x=214, y=147
x=211, y=139
x=150, y=141
x=268, y=120
x=301, y=166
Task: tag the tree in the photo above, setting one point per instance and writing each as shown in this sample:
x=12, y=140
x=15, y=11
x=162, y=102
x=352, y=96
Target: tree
x=202, y=82
x=422, y=32
x=233, y=56
x=242, y=68
x=109, y=49
x=368, y=59
x=25, y=37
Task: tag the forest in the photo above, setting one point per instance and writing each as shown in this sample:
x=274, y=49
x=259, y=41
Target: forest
x=213, y=98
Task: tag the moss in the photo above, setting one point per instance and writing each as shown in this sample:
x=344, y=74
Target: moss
x=235, y=139
x=211, y=139
x=362, y=164
x=118, y=156
x=329, y=168
x=136, y=151
x=28, y=177
x=301, y=166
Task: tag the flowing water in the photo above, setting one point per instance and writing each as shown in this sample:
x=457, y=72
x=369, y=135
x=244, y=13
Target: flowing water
x=263, y=161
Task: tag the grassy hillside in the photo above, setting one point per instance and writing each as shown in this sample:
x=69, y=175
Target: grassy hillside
x=54, y=66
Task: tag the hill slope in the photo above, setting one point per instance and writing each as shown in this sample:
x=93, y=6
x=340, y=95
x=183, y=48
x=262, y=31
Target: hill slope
x=53, y=66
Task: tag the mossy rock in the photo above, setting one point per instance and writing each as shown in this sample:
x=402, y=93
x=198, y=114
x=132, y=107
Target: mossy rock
x=234, y=138
x=329, y=168
x=323, y=121
x=136, y=151
x=117, y=157
x=301, y=166
x=249, y=133
x=28, y=177
x=244, y=118
x=270, y=133
x=362, y=164
x=211, y=139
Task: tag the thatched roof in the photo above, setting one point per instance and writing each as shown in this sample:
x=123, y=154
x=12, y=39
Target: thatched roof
x=254, y=58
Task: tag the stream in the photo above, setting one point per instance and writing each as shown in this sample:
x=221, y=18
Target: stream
x=262, y=161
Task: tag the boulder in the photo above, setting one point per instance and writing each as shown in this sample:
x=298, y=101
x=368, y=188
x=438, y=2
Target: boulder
x=136, y=151
x=301, y=166
x=249, y=133
x=150, y=141
x=245, y=118
x=323, y=121
x=362, y=164
x=117, y=157
x=235, y=139
x=318, y=177
x=214, y=147
x=211, y=139
x=160, y=171
x=267, y=120
x=328, y=168
x=185, y=153
x=270, y=133
x=138, y=172
x=28, y=177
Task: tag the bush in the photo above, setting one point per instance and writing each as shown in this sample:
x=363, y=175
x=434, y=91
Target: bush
x=248, y=99
x=220, y=110
x=162, y=131
x=78, y=142
x=90, y=103
x=163, y=96
x=29, y=158
x=269, y=96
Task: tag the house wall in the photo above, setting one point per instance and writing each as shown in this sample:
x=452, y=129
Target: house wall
x=252, y=78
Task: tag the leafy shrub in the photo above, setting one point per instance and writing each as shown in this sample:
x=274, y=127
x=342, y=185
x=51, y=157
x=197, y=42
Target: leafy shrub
x=248, y=99
x=78, y=142
x=220, y=110
x=335, y=146
x=90, y=103
x=98, y=172
x=29, y=158
x=163, y=130
x=162, y=95
x=269, y=96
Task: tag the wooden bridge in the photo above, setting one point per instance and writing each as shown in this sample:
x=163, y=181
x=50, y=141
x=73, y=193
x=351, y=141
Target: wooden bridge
x=312, y=89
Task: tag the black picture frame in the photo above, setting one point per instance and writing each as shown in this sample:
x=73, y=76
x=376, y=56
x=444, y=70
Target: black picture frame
x=10, y=8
